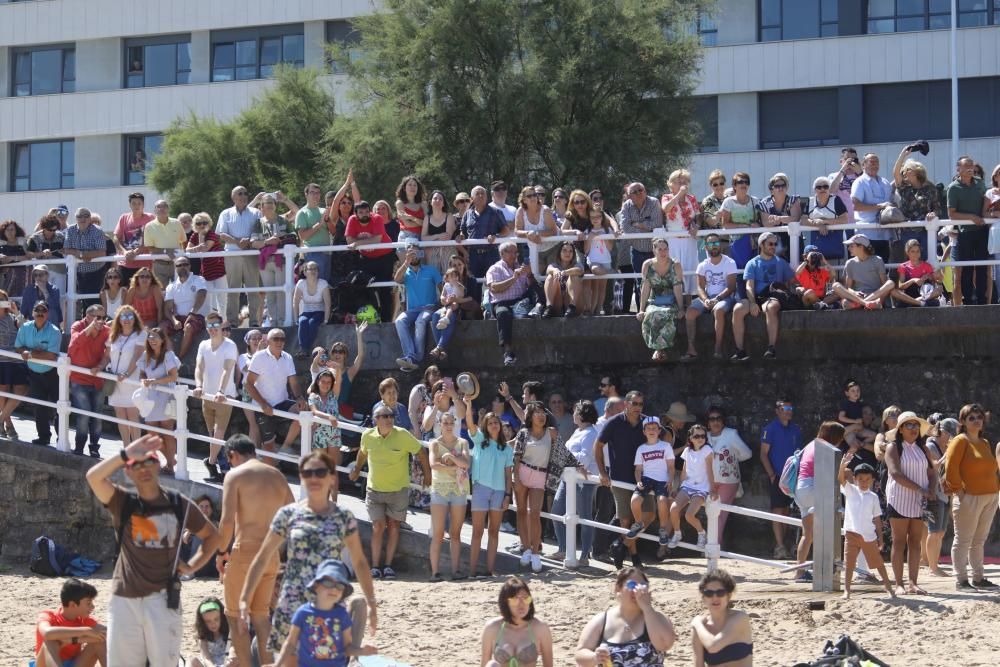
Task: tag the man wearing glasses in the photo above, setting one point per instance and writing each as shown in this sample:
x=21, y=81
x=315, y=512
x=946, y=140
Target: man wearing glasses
x=184, y=305
x=85, y=241
x=270, y=373
x=86, y=348
x=716, y=294
x=761, y=274
x=239, y=226
x=387, y=449
x=40, y=339
x=778, y=441
x=639, y=214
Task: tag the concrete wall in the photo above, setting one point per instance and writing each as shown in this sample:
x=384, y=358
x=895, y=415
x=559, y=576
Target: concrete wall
x=739, y=128
x=98, y=64
x=736, y=21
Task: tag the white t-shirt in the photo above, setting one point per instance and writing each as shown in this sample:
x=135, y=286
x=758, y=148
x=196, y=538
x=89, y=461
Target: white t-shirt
x=717, y=275
x=311, y=303
x=213, y=365
x=184, y=293
x=860, y=510
x=653, y=459
x=508, y=211
x=437, y=419
x=694, y=466
x=272, y=375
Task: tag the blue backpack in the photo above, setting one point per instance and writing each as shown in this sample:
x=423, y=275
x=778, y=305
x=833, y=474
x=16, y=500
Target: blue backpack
x=52, y=560
x=789, y=478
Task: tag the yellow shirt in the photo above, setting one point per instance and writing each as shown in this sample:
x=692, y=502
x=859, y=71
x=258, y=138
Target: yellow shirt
x=163, y=236
x=389, y=458
x=970, y=466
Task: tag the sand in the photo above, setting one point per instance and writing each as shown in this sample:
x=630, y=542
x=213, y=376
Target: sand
x=439, y=625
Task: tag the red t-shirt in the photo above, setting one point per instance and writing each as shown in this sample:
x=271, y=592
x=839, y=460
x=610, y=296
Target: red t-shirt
x=375, y=227
x=86, y=351
x=910, y=271
x=211, y=267
x=129, y=233
x=57, y=620
x=815, y=281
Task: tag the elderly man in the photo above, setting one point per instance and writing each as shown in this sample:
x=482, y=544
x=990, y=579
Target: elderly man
x=510, y=293
x=639, y=214
x=87, y=349
x=163, y=237
x=482, y=221
x=421, y=283
x=870, y=194
x=386, y=449
x=85, y=241
x=270, y=373
x=239, y=226
x=761, y=273
x=40, y=339
x=965, y=202
x=184, y=304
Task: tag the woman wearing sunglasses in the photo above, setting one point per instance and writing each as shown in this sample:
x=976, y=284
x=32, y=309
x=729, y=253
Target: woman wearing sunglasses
x=722, y=635
x=311, y=531
x=125, y=346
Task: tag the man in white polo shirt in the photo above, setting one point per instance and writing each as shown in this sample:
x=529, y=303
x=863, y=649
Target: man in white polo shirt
x=184, y=305
x=213, y=379
x=270, y=373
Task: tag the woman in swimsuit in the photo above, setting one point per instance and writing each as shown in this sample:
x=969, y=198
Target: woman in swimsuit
x=722, y=636
x=516, y=638
x=630, y=633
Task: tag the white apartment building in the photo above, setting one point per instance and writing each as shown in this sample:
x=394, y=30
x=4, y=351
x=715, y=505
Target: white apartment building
x=88, y=86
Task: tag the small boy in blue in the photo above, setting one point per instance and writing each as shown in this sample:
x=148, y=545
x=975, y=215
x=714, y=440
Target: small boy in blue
x=321, y=630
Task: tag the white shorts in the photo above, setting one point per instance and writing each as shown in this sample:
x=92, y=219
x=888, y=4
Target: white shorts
x=141, y=629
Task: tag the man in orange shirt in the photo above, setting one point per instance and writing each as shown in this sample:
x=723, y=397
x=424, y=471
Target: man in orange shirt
x=70, y=635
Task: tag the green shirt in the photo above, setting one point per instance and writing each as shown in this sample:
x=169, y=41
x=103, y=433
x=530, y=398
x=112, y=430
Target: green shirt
x=966, y=198
x=389, y=458
x=306, y=218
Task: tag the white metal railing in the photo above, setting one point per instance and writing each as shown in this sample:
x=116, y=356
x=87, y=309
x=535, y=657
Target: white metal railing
x=289, y=252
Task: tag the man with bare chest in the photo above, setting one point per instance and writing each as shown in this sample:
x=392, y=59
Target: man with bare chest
x=251, y=495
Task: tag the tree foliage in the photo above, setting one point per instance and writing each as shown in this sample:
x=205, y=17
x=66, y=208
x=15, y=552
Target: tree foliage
x=561, y=92
x=276, y=144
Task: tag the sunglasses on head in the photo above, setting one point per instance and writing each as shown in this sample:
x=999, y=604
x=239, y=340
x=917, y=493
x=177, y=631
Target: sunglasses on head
x=318, y=473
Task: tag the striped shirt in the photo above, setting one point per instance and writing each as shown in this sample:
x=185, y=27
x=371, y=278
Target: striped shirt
x=239, y=224
x=650, y=215
x=913, y=466
x=500, y=272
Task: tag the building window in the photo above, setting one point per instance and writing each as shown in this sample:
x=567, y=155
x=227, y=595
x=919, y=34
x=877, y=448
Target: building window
x=342, y=33
x=799, y=118
x=140, y=152
x=902, y=111
x=44, y=165
x=252, y=54
x=161, y=61
x=912, y=15
x=797, y=19
x=708, y=29
x=44, y=70
x=706, y=111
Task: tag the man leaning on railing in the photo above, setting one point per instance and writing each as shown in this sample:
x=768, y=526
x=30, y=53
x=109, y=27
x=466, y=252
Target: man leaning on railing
x=40, y=339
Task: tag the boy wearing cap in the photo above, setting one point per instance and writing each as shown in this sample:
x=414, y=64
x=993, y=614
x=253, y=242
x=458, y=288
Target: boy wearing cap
x=862, y=521
x=421, y=281
x=761, y=273
x=866, y=284
x=654, y=466
x=321, y=630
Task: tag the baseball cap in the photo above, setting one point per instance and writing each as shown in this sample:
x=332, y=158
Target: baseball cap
x=62, y=209
x=864, y=468
x=860, y=239
x=810, y=248
x=498, y=185
x=651, y=420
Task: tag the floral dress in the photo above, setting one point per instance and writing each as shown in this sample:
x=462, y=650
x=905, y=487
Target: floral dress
x=310, y=538
x=659, y=326
x=325, y=436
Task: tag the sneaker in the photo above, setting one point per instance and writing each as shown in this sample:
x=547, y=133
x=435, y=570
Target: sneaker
x=536, y=312
x=408, y=365
x=376, y=573
x=213, y=470
x=702, y=539
x=509, y=359
x=40, y=441
x=740, y=355
x=536, y=563
x=526, y=557
x=505, y=527
x=965, y=586
x=985, y=584
x=821, y=305
x=664, y=537
x=559, y=555
x=675, y=539
x=636, y=561
x=769, y=353
x=583, y=562
x=570, y=311
x=805, y=576
x=634, y=530
x=401, y=362
x=388, y=573
x=780, y=552
x=547, y=313
x=405, y=526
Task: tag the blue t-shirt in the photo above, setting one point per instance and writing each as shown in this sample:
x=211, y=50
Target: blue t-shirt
x=46, y=339
x=766, y=271
x=402, y=415
x=783, y=441
x=489, y=463
x=421, y=286
x=321, y=635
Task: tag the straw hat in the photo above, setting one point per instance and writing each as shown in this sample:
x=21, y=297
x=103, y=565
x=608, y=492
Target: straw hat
x=905, y=417
x=679, y=412
x=467, y=384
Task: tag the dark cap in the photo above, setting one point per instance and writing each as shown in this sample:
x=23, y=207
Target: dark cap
x=62, y=209
x=41, y=305
x=498, y=185
x=864, y=469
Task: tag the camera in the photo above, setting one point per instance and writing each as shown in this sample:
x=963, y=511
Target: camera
x=921, y=147
x=174, y=593
x=815, y=259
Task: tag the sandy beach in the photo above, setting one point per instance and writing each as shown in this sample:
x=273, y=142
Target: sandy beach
x=438, y=625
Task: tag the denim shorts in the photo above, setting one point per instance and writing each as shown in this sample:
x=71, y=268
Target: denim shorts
x=486, y=499
x=653, y=487
x=438, y=499
x=727, y=304
x=805, y=496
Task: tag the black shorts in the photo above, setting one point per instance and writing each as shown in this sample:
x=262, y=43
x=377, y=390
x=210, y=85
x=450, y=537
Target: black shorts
x=778, y=497
x=273, y=427
x=891, y=513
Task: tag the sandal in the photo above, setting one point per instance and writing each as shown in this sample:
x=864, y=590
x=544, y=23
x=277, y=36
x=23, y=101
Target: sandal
x=434, y=353
x=659, y=355
x=442, y=355
x=687, y=356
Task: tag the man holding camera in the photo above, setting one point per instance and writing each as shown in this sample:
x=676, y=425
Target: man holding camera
x=813, y=275
x=421, y=281
x=145, y=625
x=871, y=194
x=841, y=181
x=88, y=338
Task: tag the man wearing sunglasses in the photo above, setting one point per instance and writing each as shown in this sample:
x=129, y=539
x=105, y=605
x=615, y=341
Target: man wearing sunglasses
x=86, y=348
x=769, y=281
x=40, y=339
x=716, y=294
x=184, y=305
x=386, y=449
x=144, y=623
x=270, y=373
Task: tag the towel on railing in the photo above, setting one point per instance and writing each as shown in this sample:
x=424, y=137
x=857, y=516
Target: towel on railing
x=265, y=254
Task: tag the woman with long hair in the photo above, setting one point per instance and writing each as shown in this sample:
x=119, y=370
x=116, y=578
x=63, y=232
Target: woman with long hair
x=534, y=221
x=145, y=295
x=722, y=635
x=113, y=292
x=13, y=248
x=449, y=456
x=13, y=372
x=439, y=225
x=125, y=347
x=516, y=638
x=311, y=303
x=411, y=208
x=491, y=473
x=564, y=283
x=661, y=299
x=158, y=374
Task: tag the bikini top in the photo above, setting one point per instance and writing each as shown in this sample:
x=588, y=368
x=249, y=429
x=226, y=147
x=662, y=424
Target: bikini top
x=638, y=652
x=525, y=655
x=730, y=653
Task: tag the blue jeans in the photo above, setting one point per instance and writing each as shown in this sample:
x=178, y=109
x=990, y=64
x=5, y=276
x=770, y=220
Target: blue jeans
x=86, y=397
x=411, y=327
x=309, y=324
x=584, y=509
x=322, y=260
x=443, y=336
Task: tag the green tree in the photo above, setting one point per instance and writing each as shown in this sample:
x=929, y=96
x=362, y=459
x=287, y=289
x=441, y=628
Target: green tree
x=562, y=92
x=276, y=144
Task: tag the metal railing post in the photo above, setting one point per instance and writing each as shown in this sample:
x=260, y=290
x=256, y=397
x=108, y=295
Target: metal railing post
x=288, y=252
x=932, y=226
x=181, y=433
x=712, y=548
x=827, y=545
x=794, y=242
x=570, y=477
x=533, y=260
x=305, y=440
x=63, y=404
x=70, y=314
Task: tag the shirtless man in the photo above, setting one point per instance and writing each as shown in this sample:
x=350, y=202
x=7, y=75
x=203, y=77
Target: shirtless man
x=251, y=495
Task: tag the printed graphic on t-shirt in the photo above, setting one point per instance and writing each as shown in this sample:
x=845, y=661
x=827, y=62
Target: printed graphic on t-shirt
x=154, y=532
x=321, y=636
x=652, y=455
